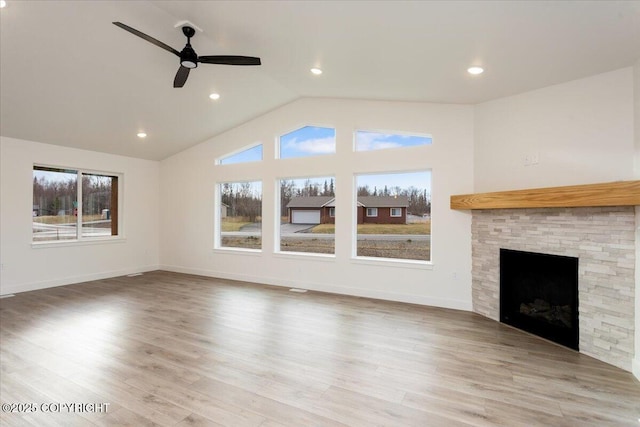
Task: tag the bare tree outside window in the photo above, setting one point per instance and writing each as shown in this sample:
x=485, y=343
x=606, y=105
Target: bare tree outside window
x=241, y=215
x=57, y=212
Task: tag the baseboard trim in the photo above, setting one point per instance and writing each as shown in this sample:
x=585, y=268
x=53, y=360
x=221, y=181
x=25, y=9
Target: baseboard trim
x=322, y=287
x=34, y=286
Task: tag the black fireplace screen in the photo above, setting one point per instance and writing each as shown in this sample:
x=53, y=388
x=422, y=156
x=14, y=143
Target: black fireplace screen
x=539, y=294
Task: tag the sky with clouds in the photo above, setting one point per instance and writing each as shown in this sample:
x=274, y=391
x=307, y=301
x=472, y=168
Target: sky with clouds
x=308, y=141
x=367, y=141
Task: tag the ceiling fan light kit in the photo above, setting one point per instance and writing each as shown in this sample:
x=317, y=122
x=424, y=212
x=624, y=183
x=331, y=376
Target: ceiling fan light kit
x=189, y=59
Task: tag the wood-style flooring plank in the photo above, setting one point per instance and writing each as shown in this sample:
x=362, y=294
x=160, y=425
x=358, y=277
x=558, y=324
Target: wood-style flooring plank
x=169, y=349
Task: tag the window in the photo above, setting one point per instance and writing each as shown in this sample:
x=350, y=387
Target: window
x=307, y=215
x=369, y=141
x=99, y=205
x=61, y=207
x=393, y=212
x=253, y=154
x=240, y=220
x=308, y=141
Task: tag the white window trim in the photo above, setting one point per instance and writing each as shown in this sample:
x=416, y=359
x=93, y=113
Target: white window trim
x=373, y=210
x=217, y=219
x=277, y=237
x=395, y=216
x=383, y=261
x=84, y=240
x=332, y=212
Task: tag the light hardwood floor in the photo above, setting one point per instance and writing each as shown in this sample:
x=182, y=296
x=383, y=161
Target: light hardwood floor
x=180, y=350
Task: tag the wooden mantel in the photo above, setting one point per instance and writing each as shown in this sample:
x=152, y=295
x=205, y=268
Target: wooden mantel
x=621, y=193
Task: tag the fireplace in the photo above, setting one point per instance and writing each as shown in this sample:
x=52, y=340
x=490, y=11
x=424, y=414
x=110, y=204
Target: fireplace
x=604, y=240
x=539, y=294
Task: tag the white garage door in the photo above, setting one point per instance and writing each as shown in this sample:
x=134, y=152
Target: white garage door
x=306, y=217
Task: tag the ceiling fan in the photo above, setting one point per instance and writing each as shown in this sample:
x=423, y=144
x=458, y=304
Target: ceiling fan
x=188, y=57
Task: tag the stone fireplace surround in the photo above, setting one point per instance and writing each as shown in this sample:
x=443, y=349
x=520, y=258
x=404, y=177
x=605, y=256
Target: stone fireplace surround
x=603, y=238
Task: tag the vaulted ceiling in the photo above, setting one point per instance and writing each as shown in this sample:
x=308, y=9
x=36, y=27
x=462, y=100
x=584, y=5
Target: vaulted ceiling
x=70, y=77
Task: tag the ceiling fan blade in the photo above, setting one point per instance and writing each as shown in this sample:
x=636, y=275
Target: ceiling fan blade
x=147, y=38
x=181, y=76
x=229, y=60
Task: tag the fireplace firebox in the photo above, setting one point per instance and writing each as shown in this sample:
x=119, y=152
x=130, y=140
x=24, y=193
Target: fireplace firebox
x=539, y=294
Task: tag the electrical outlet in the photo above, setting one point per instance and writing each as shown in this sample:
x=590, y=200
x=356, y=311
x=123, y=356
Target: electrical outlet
x=535, y=158
x=531, y=159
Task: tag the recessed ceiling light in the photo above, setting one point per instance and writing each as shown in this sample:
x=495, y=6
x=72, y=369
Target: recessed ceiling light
x=214, y=96
x=316, y=71
x=3, y=4
x=475, y=70
x=142, y=135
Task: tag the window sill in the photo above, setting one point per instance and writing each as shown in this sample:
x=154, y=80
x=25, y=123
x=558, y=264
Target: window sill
x=298, y=255
x=83, y=242
x=238, y=251
x=392, y=262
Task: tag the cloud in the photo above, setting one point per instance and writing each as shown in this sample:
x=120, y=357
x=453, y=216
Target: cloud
x=312, y=146
x=367, y=141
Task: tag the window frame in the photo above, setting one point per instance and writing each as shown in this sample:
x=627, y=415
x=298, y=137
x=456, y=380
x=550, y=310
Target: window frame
x=217, y=223
x=372, y=216
x=332, y=212
x=118, y=218
x=395, y=216
x=381, y=260
x=277, y=250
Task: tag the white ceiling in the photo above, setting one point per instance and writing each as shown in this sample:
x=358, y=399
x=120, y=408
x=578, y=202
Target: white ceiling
x=70, y=77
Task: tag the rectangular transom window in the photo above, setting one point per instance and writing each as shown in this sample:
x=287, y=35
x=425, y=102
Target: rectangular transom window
x=61, y=207
x=369, y=141
x=393, y=212
x=240, y=216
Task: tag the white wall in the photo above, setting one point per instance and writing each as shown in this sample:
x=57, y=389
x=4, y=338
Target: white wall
x=187, y=189
x=582, y=132
x=26, y=267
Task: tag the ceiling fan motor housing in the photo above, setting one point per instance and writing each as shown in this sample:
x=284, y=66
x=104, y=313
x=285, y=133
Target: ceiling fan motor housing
x=188, y=56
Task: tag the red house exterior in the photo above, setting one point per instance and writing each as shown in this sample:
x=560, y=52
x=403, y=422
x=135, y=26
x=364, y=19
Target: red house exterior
x=371, y=210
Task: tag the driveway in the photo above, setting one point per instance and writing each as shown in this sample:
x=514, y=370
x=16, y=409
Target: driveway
x=287, y=228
